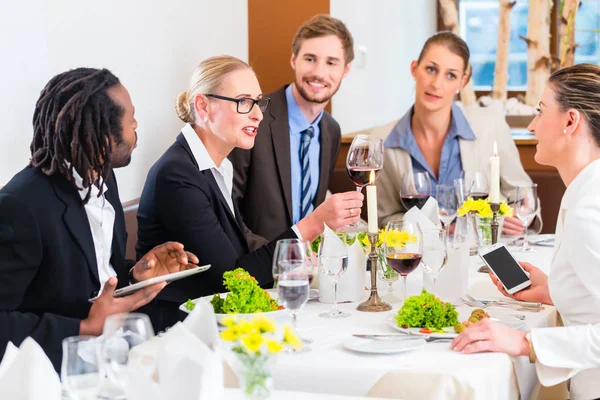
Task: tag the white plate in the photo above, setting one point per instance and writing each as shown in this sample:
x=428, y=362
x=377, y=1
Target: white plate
x=271, y=314
x=546, y=239
x=131, y=289
x=375, y=346
x=448, y=331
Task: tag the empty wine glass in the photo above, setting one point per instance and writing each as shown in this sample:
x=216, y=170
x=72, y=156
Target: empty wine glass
x=293, y=289
x=476, y=185
x=123, y=332
x=403, y=248
x=525, y=207
x=365, y=157
x=80, y=370
x=447, y=204
x=333, y=262
x=461, y=232
x=435, y=253
x=415, y=189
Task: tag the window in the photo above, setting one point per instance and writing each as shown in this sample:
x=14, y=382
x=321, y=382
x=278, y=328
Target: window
x=479, y=27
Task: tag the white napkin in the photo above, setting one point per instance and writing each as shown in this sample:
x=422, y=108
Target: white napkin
x=26, y=373
x=351, y=284
x=427, y=217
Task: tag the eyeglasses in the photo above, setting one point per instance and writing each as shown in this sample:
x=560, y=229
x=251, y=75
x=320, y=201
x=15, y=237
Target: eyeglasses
x=245, y=104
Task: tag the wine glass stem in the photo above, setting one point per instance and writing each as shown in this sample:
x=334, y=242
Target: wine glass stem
x=525, y=242
x=294, y=321
x=403, y=288
x=334, y=308
x=359, y=189
x=390, y=289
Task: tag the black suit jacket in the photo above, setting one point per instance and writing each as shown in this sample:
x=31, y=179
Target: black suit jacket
x=181, y=203
x=48, y=268
x=263, y=175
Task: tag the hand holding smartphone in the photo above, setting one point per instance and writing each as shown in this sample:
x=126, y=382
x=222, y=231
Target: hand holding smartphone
x=505, y=267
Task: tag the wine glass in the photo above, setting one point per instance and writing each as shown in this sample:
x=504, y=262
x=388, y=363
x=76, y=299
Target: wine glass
x=415, y=189
x=476, y=185
x=333, y=262
x=293, y=255
x=402, y=256
x=447, y=204
x=461, y=232
x=525, y=207
x=435, y=253
x=293, y=288
x=80, y=369
x=123, y=332
x=365, y=158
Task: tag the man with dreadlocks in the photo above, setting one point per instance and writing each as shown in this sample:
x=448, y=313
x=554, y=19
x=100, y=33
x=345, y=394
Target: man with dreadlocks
x=62, y=228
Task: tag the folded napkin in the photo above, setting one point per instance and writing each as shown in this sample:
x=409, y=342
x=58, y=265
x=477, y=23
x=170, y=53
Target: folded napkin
x=188, y=361
x=351, y=286
x=26, y=373
x=427, y=217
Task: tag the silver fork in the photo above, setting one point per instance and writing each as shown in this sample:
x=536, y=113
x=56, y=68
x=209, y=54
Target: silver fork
x=507, y=301
x=480, y=305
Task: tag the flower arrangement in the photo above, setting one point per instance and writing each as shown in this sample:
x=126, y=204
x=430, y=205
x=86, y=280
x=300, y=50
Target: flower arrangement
x=483, y=209
x=255, y=342
x=392, y=238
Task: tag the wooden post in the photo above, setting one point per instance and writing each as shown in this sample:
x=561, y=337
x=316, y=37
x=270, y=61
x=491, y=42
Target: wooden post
x=449, y=13
x=538, y=49
x=501, y=68
x=567, y=32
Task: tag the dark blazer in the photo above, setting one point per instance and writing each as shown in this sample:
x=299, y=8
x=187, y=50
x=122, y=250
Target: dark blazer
x=48, y=268
x=263, y=175
x=181, y=203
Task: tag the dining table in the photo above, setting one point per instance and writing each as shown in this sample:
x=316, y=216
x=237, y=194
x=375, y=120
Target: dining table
x=430, y=371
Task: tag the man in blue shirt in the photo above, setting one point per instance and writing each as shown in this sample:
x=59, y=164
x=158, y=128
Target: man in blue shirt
x=286, y=175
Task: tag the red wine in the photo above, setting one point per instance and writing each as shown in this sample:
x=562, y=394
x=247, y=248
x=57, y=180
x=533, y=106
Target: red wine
x=361, y=175
x=411, y=200
x=479, y=195
x=404, y=263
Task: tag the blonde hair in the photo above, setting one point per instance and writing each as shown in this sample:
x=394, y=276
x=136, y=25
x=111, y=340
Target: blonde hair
x=325, y=25
x=578, y=87
x=206, y=79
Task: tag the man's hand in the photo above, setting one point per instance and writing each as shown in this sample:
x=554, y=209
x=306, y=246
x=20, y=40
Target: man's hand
x=162, y=260
x=106, y=305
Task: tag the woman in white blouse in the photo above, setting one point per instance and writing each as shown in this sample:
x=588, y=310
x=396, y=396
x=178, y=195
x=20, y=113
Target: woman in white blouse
x=568, y=133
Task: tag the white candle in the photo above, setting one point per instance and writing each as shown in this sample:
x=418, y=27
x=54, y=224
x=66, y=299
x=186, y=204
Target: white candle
x=495, y=176
x=372, y=204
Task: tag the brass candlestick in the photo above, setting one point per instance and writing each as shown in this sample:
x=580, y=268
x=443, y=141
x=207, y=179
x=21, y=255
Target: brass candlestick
x=495, y=208
x=373, y=303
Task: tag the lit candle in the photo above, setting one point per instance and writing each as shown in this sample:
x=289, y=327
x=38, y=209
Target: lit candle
x=372, y=204
x=495, y=176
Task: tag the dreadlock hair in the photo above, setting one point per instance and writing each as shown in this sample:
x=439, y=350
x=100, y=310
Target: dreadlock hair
x=74, y=125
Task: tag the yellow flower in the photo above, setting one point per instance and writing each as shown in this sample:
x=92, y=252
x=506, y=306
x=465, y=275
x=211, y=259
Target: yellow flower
x=406, y=237
x=273, y=346
x=486, y=212
x=245, y=327
x=229, y=321
x=290, y=338
x=506, y=210
x=393, y=239
x=263, y=325
x=365, y=242
x=231, y=334
x=252, y=342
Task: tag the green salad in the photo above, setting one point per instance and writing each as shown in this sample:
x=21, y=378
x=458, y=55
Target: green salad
x=245, y=295
x=426, y=311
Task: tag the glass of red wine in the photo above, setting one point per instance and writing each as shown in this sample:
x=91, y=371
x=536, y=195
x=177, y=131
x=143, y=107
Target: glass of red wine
x=403, y=256
x=293, y=270
x=365, y=157
x=415, y=189
x=475, y=185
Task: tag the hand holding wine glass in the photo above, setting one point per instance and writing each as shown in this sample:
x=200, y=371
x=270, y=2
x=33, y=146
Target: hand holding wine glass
x=415, y=189
x=365, y=156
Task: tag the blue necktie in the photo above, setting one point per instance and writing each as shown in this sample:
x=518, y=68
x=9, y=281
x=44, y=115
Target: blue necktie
x=305, y=192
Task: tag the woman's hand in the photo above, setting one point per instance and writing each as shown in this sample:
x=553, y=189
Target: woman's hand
x=491, y=336
x=512, y=226
x=537, y=292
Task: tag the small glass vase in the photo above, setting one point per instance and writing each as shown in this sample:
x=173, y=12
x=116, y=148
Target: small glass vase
x=255, y=375
x=484, y=230
x=386, y=274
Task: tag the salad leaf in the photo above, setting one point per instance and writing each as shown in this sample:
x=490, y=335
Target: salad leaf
x=245, y=295
x=426, y=311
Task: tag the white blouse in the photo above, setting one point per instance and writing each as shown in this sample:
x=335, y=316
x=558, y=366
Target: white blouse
x=573, y=351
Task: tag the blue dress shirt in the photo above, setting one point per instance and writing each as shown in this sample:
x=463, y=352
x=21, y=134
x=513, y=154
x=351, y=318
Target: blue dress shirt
x=298, y=123
x=403, y=137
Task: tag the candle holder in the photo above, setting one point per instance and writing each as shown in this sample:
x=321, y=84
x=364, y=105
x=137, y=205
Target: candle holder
x=495, y=208
x=373, y=303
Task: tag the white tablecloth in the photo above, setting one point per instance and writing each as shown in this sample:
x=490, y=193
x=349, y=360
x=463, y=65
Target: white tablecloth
x=431, y=372
x=236, y=394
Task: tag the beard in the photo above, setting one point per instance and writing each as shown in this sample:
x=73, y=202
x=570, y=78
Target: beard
x=314, y=99
x=121, y=155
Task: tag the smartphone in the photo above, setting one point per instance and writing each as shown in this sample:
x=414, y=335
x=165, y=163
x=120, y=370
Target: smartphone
x=505, y=267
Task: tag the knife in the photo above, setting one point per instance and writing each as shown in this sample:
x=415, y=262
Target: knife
x=391, y=335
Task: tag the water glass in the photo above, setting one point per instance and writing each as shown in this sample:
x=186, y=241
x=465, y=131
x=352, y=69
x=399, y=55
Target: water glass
x=435, y=253
x=526, y=207
x=80, y=370
x=333, y=262
x=293, y=289
x=447, y=204
x=294, y=251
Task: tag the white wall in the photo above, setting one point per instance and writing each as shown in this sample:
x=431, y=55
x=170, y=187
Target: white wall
x=151, y=45
x=381, y=89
